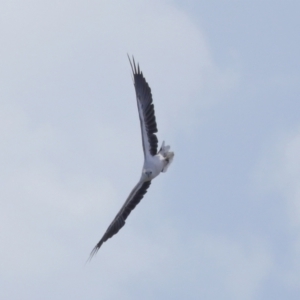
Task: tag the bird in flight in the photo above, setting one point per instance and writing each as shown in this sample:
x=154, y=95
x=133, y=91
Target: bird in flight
x=155, y=161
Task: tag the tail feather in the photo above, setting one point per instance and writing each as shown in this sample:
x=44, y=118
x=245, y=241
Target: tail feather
x=168, y=156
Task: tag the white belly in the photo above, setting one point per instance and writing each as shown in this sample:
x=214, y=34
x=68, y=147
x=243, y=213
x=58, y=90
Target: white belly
x=155, y=164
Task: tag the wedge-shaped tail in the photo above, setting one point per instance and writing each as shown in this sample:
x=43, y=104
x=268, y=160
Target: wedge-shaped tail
x=168, y=156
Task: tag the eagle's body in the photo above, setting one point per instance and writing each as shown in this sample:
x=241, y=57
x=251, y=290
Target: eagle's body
x=155, y=161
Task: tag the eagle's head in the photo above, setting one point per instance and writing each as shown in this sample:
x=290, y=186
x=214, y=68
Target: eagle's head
x=147, y=174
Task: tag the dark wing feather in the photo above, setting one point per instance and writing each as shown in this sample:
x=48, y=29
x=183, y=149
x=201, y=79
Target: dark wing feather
x=146, y=110
x=133, y=199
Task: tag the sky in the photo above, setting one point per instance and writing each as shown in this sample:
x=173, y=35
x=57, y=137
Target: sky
x=223, y=222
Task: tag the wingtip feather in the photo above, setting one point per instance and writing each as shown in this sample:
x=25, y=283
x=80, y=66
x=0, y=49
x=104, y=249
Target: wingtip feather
x=131, y=65
x=94, y=251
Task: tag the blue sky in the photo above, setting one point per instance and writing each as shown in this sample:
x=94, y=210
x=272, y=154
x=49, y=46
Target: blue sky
x=223, y=222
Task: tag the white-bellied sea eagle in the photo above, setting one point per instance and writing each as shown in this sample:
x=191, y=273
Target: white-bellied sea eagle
x=154, y=161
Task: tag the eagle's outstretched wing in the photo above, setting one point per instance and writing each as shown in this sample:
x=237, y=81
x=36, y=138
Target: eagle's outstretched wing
x=133, y=199
x=146, y=110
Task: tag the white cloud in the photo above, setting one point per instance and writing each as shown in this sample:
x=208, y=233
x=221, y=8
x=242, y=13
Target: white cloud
x=69, y=134
x=279, y=172
x=205, y=266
